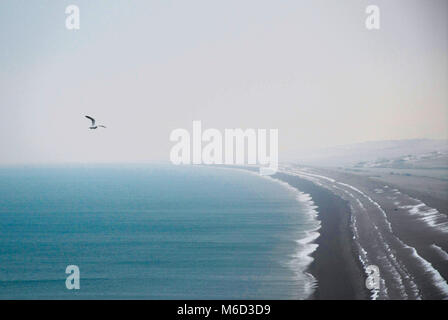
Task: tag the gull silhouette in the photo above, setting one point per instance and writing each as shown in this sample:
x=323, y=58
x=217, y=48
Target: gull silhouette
x=93, y=126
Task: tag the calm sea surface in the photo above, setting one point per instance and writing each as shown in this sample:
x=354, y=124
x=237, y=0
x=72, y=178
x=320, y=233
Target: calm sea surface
x=150, y=232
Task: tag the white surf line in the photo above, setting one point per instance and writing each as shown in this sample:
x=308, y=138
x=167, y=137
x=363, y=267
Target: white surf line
x=371, y=201
x=300, y=174
x=399, y=269
x=438, y=280
x=431, y=216
x=362, y=253
x=391, y=263
x=363, y=258
x=440, y=251
x=301, y=259
x=319, y=176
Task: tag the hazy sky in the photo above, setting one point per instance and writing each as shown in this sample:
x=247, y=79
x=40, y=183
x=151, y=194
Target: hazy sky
x=143, y=68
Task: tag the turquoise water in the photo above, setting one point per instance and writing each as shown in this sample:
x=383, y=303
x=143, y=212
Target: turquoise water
x=149, y=232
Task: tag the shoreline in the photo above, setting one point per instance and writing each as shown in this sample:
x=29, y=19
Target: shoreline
x=338, y=272
x=391, y=229
x=366, y=222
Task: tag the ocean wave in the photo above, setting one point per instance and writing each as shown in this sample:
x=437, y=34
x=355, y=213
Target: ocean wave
x=389, y=260
x=432, y=217
x=429, y=269
x=302, y=258
x=438, y=280
x=442, y=253
x=363, y=259
x=396, y=268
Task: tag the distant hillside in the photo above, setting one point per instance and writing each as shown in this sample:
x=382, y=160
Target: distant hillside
x=392, y=153
x=429, y=160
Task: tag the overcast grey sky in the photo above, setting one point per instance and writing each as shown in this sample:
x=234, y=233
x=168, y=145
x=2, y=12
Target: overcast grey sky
x=143, y=68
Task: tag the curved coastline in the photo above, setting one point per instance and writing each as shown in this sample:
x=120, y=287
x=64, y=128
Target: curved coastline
x=303, y=257
x=386, y=234
x=335, y=265
x=330, y=259
x=306, y=245
x=366, y=222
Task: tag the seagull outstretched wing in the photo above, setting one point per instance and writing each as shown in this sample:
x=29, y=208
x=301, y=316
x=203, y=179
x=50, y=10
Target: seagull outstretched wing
x=102, y=126
x=91, y=119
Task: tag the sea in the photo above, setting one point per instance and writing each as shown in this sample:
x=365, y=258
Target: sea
x=153, y=232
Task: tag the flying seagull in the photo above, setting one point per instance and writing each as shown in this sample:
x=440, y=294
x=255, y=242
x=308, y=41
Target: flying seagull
x=93, y=126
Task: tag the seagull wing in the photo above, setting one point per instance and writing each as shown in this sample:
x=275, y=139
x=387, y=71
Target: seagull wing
x=102, y=126
x=91, y=119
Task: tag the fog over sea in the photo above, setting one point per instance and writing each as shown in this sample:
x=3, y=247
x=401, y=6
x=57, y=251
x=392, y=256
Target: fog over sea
x=152, y=232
